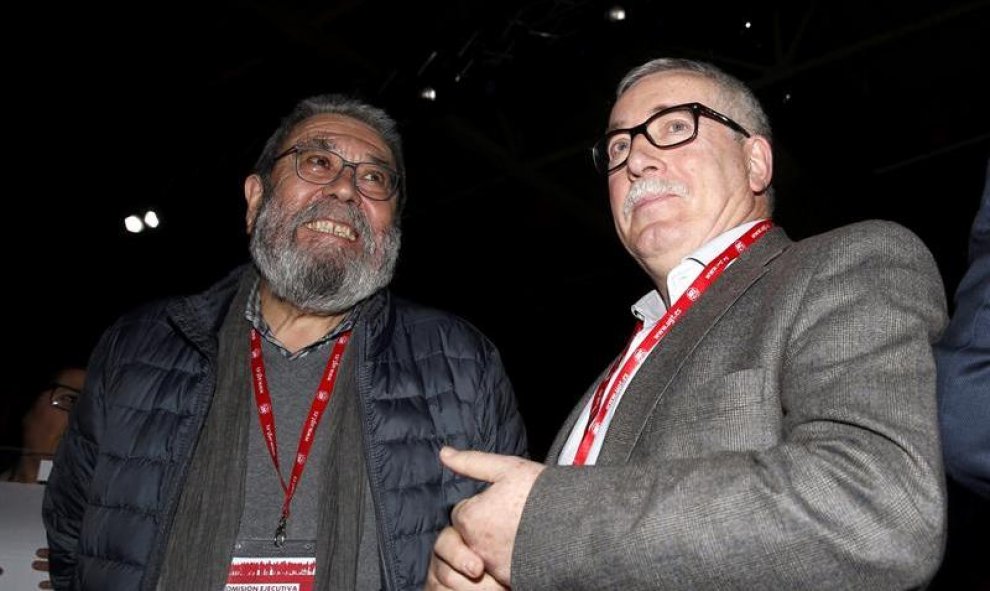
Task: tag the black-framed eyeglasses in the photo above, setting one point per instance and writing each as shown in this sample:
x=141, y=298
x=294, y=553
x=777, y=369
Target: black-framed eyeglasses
x=62, y=397
x=322, y=167
x=665, y=129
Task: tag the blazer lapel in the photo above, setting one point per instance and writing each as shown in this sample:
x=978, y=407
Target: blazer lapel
x=653, y=378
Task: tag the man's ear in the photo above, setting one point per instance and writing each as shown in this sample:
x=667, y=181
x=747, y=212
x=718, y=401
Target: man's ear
x=759, y=163
x=254, y=191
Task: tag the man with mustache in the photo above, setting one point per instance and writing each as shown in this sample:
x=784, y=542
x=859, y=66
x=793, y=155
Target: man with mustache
x=173, y=474
x=771, y=423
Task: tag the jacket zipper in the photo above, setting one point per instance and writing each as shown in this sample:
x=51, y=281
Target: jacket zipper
x=386, y=555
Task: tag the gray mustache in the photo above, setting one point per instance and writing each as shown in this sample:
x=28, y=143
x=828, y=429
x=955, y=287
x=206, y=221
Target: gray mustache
x=652, y=186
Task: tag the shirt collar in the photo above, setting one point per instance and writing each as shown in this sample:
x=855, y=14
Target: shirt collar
x=253, y=315
x=651, y=307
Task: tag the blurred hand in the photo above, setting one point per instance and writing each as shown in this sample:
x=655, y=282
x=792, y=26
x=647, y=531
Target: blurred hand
x=487, y=522
x=42, y=565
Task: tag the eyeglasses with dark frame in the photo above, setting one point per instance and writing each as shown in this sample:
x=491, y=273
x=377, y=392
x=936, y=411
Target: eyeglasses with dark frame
x=62, y=397
x=668, y=128
x=322, y=167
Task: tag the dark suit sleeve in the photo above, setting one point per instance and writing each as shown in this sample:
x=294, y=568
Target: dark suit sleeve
x=72, y=470
x=849, y=496
x=963, y=357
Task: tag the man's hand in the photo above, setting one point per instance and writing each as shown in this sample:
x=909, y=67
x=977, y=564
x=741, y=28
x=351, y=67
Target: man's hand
x=488, y=521
x=455, y=567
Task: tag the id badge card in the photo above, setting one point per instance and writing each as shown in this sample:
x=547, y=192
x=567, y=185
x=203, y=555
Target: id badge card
x=259, y=566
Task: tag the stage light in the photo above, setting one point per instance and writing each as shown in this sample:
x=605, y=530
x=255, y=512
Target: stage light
x=428, y=94
x=616, y=14
x=133, y=224
x=151, y=219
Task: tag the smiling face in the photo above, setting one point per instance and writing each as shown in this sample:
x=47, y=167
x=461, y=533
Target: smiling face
x=666, y=203
x=323, y=248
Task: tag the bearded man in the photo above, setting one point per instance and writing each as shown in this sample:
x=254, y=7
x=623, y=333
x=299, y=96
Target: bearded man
x=171, y=475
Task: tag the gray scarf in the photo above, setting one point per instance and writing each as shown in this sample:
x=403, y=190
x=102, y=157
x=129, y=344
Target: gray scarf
x=201, y=543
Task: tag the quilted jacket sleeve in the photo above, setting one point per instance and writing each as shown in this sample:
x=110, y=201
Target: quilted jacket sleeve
x=509, y=430
x=72, y=469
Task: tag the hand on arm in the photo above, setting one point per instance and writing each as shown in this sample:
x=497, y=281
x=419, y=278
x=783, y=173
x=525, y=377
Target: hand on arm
x=455, y=567
x=487, y=523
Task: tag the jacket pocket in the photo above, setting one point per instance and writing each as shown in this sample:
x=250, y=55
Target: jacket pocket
x=733, y=412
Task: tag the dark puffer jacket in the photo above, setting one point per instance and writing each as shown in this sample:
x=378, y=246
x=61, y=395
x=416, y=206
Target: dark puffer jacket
x=425, y=378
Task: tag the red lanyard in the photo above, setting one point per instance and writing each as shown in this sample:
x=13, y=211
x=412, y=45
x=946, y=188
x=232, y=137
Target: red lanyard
x=604, y=397
x=266, y=417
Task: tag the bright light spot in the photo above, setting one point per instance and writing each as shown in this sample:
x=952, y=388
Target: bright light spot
x=428, y=94
x=616, y=14
x=133, y=224
x=748, y=25
x=151, y=219
x=787, y=97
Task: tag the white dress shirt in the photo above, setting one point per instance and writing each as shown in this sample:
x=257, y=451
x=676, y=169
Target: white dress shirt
x=650, y=309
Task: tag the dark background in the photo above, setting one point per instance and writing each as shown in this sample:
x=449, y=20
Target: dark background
x=879, y=110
